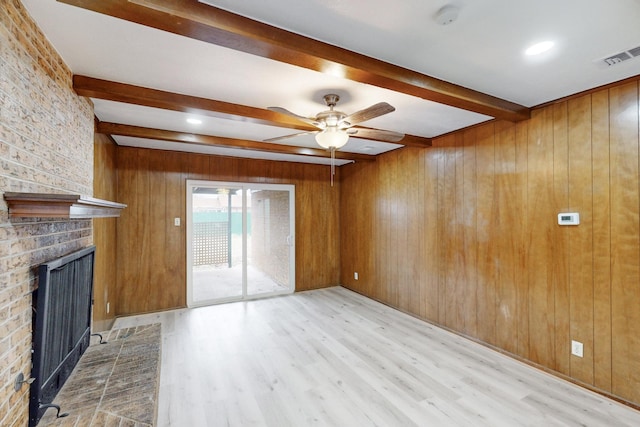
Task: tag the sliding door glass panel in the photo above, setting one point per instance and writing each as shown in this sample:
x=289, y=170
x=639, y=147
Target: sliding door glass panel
x=269, y=241
x=216, y=244
x=240, y=241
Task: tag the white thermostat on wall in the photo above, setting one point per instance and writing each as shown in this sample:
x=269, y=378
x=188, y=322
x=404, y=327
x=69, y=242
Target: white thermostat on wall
x=569, y=218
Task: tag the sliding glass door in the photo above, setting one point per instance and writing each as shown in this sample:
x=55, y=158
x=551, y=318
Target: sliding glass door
x=240, y=241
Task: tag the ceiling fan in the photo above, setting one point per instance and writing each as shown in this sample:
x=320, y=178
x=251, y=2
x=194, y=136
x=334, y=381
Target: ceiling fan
x=335, y=127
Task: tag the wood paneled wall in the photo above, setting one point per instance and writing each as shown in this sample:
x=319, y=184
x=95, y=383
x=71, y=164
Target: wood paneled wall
x=465, y=234
x=104, y=234
x=151, y=250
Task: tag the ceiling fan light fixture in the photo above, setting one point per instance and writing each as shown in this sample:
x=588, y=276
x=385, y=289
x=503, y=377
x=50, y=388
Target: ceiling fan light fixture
x=332, y=137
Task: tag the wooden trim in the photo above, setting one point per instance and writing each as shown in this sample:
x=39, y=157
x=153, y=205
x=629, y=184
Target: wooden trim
x=191, y=138
x=554, y=102
x=528, y=362
x=500, y=350
x=72, y=206
x=138, y=95
x=590, y=91
x=199, y=21
x=464, y=129
x=412, y=140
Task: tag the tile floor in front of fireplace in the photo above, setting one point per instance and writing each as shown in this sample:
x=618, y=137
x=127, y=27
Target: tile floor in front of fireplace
x=114, y=384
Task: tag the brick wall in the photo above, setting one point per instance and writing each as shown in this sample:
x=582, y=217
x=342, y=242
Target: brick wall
x=46, y=145
x=270, y=226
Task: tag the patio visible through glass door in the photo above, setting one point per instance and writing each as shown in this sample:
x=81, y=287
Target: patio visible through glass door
x=269, y=241
x=240, y=241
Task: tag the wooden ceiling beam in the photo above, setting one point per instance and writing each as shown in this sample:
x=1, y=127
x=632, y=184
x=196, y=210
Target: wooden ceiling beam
x=130, y=94
x=121, y=92
x=206, y=23
x=197, y=139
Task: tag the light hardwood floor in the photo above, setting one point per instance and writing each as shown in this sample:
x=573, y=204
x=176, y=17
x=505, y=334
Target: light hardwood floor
x=332, y=357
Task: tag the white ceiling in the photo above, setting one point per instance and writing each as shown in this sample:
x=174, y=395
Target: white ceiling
x=482, y=50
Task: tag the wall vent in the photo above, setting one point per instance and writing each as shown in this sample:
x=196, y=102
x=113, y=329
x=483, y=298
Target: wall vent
x=620, y=57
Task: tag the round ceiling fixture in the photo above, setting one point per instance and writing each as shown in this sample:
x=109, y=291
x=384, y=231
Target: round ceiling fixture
x=447, y=14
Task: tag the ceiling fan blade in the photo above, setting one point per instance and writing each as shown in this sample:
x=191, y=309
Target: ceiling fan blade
x=376, y=134
x=279, y=138
x=372, y=112
x=307, y=120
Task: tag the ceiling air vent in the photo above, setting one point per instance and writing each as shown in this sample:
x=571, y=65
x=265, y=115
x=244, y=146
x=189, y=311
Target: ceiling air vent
x=635, y=51
x=620, y=57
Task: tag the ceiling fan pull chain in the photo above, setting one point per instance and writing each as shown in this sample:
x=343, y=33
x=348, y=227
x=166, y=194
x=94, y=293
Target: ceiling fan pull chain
x=333, y=163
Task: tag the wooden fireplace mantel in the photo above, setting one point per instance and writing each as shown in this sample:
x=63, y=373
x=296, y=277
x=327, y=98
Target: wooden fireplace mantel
x=72, y=206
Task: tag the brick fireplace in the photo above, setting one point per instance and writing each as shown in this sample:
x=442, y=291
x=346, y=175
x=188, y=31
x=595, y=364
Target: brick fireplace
x=46, y=146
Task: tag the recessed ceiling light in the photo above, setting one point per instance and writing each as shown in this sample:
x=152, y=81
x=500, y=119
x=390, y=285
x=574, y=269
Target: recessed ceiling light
x=539, y=48
x=193, y=121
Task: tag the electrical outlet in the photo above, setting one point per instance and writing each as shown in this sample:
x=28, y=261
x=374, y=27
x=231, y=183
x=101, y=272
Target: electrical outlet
x=108, y=308
x=355, y=275
x=176, y=222
x=577, y=349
